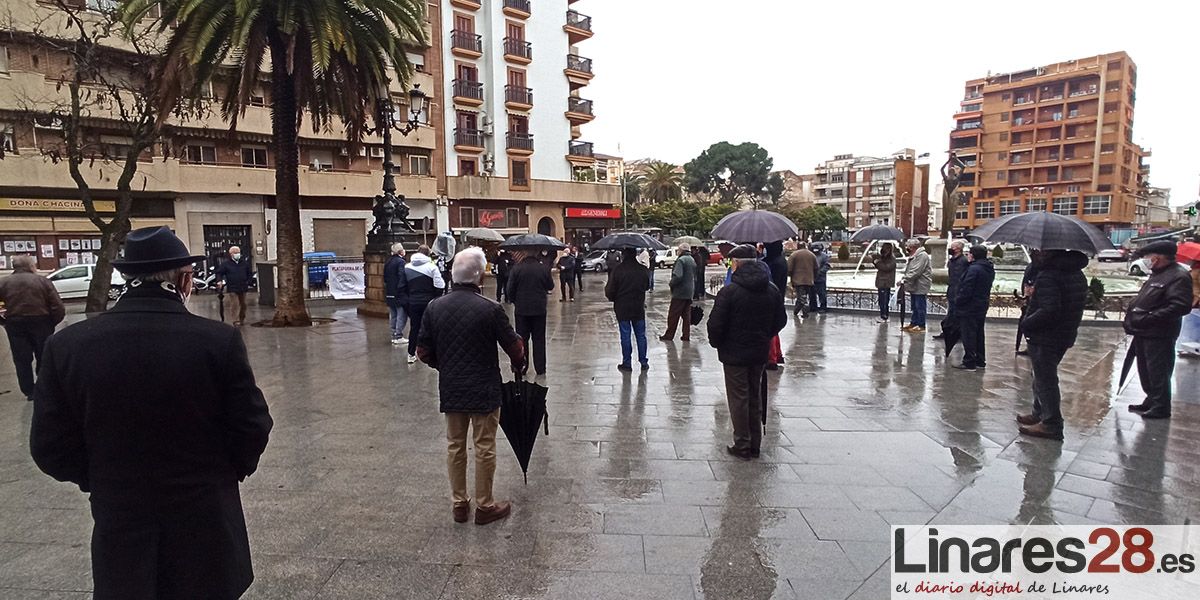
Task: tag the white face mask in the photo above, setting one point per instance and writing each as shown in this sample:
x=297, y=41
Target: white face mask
x=235, y=256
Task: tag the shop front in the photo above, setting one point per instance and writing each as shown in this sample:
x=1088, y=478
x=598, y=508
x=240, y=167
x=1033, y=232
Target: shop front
x=57, y=233
x=506, y=217
x=584, y=226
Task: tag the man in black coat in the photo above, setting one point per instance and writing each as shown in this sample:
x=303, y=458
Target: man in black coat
x=504, y=265
x=155, y=412
x=528, y=284
x=745, y=316
x=1028, y=281
x=1154, y=320
x=395, y=287
x=956, y=265
x=626, y=289
x=567, y=264
x=971, y=302
x=235, y=274
x=1052, y=320
x=459, y=339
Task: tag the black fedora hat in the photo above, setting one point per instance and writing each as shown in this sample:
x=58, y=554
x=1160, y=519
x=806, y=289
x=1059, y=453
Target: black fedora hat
x=153, y=249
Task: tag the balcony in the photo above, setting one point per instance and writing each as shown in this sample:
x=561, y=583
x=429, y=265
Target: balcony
x=518, y=98
x=578, y=71
x=466, y=44
x=519, y=143
x=468, y=92
x=578, y=27
x=468, y=140
x=467, y=4
x=580, y=153
x=518, y=51
x=517, y=8
x=579, y=111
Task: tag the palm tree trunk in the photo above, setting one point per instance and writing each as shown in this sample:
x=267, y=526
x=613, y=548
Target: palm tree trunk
x=290, y=310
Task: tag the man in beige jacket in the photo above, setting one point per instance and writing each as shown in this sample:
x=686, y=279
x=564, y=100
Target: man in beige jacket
x=802, y=268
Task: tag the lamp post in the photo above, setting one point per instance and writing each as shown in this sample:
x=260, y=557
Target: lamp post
x=385, y=122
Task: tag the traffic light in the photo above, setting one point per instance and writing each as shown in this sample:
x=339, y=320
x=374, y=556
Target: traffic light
x=1191, y=210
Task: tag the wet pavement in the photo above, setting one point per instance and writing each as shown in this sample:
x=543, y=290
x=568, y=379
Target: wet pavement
x=632, y=494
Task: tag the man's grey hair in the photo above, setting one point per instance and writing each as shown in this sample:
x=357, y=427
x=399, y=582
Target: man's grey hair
x=684, y=247
x=912, y=243
x=24, y=263
x=468, y=265
x=398, y=249
x=957, y=244
x=169, y=276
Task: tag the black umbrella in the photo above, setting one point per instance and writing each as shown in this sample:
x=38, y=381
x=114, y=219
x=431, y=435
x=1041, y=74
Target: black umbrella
x=1045, y=231
x=1130, y=356
x=751, y=226
x=221, y=304
x=522, y=412
x=951, y=335
x=877, y=232
x=532, y=240
x=628, y=239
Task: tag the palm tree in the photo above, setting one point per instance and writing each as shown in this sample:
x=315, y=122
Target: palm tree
x=327, y=58
x=661, y=182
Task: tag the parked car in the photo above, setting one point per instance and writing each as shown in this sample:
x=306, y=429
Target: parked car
x=1114, y=255
x=665, y=259
x=73, y=282
x=596, y=260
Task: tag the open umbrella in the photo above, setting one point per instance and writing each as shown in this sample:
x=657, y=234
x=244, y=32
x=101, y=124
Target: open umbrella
x=532, y=240
x=751, y=226
x=483, y=234
x=444, y=245
x=1188, y=251
x=690, y=240
x=1045, y=231
x=877, y=232
x=522, y=413
x=628, y=239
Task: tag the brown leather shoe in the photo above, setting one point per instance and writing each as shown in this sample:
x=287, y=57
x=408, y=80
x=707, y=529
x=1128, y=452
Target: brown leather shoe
x=485, y=515
x=1040, y=431
x=462, y=512
x=1028, y=420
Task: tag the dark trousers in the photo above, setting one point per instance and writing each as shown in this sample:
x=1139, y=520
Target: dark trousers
x=532, y=329
x=680, y=309
x=919, y=306
x=743, y=387
x=817, y=298
x=194, y=546
x=974, y=354
x=803, y=293
x=26, y=338
x=1047, y=399
x=652, y=278
x=501, y=283
x=416, y=313
x=579, y=278
x=885, y=296
x=1155, y=365
x=567, y=282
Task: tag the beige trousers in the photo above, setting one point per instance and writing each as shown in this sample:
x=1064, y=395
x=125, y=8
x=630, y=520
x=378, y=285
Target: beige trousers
x=484, y=427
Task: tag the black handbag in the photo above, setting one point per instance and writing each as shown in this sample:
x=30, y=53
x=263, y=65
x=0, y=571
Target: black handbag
x=697, y=315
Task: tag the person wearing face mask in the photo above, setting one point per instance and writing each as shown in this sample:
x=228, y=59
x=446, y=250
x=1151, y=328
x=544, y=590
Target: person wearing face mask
x=1154, y=320
x=155, y=412
x=234, y=276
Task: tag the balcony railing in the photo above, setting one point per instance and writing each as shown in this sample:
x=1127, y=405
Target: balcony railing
x=577, y=148
x=466, y=40
x=464, y=88
x=517, y=47
x=518, y=95
x=579, y=105
x=579, y=21
x=468, y=137
x=521, y=5
x=969, y=125
x=579, y=63
x=520, y=141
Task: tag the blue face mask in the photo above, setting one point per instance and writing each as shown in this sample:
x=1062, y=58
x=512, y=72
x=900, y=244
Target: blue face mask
x=235, y=256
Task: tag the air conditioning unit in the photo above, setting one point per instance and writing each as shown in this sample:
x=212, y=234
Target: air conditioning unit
x=377, y=152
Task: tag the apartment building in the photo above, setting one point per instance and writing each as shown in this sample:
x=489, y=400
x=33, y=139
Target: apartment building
x=892, y=190
x=1056, y=138
x=515, y=84
x=1153, y=209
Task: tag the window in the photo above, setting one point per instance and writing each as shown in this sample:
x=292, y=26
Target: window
x=1004, y=116
x=837, y=178
x=1005, y=96
x=104, y=6
x=466, y=216
x=1108, y=148
x=1004, y=136
x=971, y=107
x=515, y=31
x=1035, y=205
x=1001, y=175
x=254, y=156
x=4, y=60
x=961, y=214
x=467, y=73
x=1074, y=188
x=200, y=154
x=985, y=210
x=1104, y=188
x=257, y=98
x=1009, y=207
x=1067, y=205
x=418, y=164
x=513, y=217
x=520, y=173
x=1096, y=205
x=465, y=24
x=1110, y=107
x=1106, y=169
x=468, y=166
x=858, y=191
x=1068, y=173
x=7, y=141
x=1002, y=155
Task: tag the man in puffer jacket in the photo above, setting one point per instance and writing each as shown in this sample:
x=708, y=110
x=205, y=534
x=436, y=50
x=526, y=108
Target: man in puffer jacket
x=746, y=315
x=1154, y=319
x=971, y=302
x=425, y=283
x=1051, y=322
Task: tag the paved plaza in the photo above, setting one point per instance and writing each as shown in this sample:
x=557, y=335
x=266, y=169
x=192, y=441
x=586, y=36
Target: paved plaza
x=632, y=494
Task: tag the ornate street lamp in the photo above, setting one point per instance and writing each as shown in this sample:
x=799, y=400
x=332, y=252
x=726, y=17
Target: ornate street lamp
x=390, y=210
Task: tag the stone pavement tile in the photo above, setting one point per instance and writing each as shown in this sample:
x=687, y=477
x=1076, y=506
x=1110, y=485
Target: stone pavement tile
x=685, y=470
x=876, y=587
x=847, y=424
x=1087, y=468
x=867, y=557
x=1109, y=512
x=654, y=520
x=838, y=474
x=754, y=473
x=847, y=524
x=473, y=584
x=959, y=516
x=638, y=450
x=49, y=567
x=561, y=518
x=907, y=517
x=362, y=580
x=802, y=495
x=478, y=545
x=746, y=521
x=767, y=585
x=883, y=497
x=616, y=491
x=815, y=587
x=279, y=577
x=41, y=525
x=17, y=594
x=708, y=493
x=539, y=490
x=1142, y=498
x=367, y=539
x=589, y=552
x=292, y=479
x=275, y=534
x=25, y=490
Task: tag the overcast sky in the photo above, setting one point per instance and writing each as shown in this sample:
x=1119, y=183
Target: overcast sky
x=808, y=80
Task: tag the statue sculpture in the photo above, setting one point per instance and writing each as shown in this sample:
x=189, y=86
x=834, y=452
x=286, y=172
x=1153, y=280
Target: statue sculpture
x=951, y=178
x=391, y=215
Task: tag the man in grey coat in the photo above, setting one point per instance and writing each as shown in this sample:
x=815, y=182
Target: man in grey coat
x=683, y=285
x=918, y=278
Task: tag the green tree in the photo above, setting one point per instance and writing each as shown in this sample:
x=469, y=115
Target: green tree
x=660, y=182
x=732, y=173
x=709, y=215
x=818, y=218
x=331, y=59
x=633, y=188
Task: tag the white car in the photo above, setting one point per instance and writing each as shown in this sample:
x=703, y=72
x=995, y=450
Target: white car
x=72, y=282
x=1113, y=254
x=665, y=259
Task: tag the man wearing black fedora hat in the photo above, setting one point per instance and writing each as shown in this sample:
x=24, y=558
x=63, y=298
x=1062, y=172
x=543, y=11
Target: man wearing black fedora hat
x=161, y=459
x=1154, y=319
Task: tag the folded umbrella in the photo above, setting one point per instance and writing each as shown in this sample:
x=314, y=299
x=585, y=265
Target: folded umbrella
x=221, y=304
x=951, y=335
x=628, y=239
x=877, y=232
x=752, y=226
x=1045, y=231
x=532, y=240
x=522, y=412
x=1123, y=380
